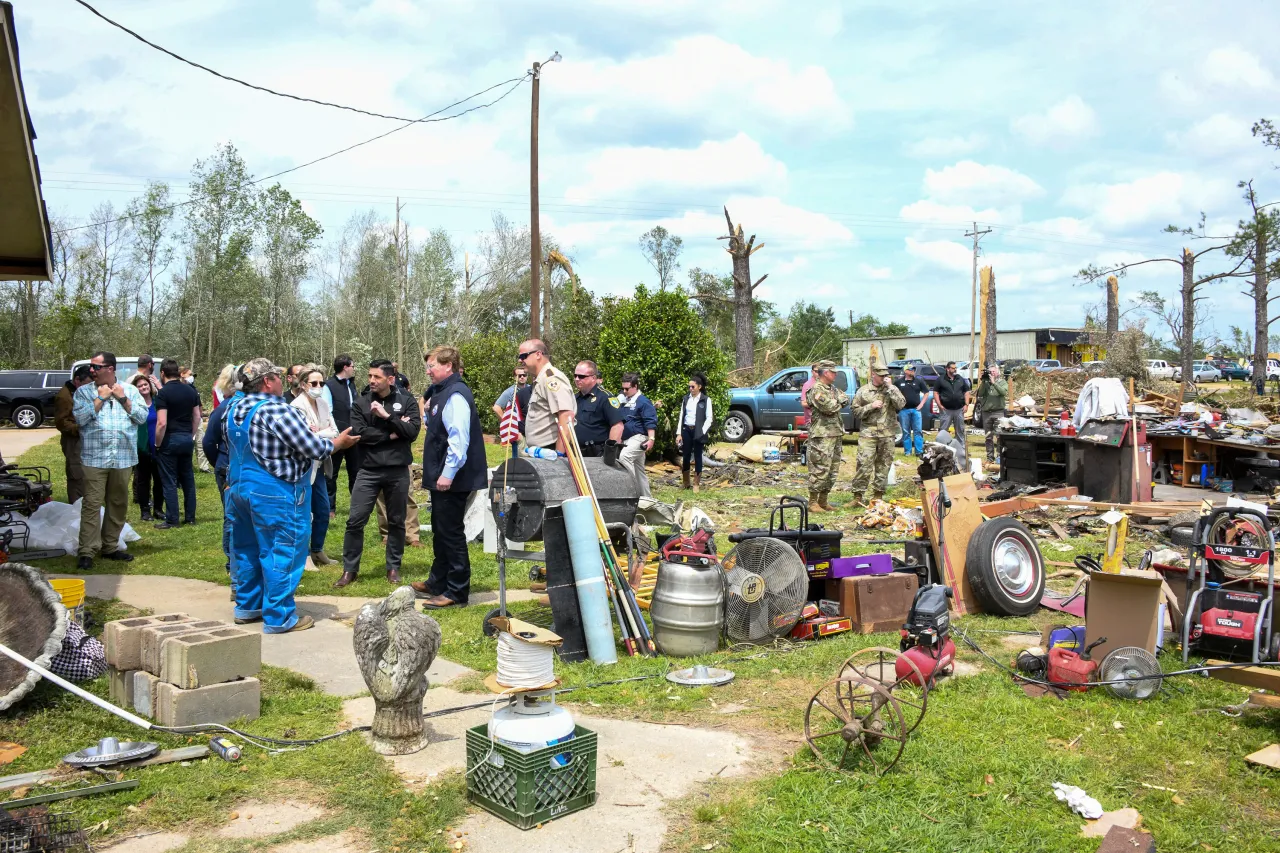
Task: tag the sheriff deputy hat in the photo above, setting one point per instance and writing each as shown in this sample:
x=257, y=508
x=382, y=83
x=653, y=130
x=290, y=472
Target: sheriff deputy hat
x=257, y=368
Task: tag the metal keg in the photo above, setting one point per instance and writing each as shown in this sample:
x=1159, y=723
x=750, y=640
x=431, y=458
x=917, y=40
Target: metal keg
x=688, y=607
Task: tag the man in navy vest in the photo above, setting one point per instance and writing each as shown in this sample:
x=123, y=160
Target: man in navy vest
x=453, y=466
x=340, y=391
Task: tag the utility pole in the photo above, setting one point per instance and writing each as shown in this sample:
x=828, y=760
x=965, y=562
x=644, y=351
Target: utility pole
x=535, y=230
x=973, y=303
x=400, y=286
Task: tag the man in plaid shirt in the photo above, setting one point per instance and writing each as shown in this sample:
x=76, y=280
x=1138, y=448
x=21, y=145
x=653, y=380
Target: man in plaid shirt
x=108, y=414
x=269, y=498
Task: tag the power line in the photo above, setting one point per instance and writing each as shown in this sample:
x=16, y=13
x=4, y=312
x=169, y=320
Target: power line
x=427, y=119
x=231, y=79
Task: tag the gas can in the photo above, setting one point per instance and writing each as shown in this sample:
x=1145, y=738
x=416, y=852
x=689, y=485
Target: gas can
x=1069, y=670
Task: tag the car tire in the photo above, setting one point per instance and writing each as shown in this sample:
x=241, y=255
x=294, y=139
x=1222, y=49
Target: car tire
x=738, y=427
x=1005, y=568
x=27, y=416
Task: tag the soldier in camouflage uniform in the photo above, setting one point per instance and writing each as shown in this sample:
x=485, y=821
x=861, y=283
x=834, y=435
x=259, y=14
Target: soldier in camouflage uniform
x=877, y=405
x=826, y=434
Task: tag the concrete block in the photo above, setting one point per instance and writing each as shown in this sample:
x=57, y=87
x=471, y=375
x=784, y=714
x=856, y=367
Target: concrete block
x=123, y=638
x=154, y=636
x=210, y=657
x=120, y=686
x=144, y=693
x=217, y=703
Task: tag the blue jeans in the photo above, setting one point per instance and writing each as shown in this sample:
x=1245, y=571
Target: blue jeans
x=175, y=471
x=910, y=420
x=319, y=512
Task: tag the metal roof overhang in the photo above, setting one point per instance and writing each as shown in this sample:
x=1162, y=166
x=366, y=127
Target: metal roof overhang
x=24, y=222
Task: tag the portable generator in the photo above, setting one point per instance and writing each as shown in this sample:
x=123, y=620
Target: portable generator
x=926, y=636
x=1229, y=608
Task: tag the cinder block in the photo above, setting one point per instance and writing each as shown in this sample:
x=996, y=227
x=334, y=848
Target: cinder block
x=210, y=657
x=217, y=703
x=153, y=637
x=144, y=693
x=120, y=683
x=123, y=638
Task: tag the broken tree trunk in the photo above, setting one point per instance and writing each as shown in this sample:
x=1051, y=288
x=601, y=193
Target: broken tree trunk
x=989, y=329
x=1113, y=309
x=744, y=323
x=1186, y=346
x=1261, y=301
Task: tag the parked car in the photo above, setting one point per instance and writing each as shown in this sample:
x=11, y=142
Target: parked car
x=1044, y=365
x=1273, y=369
x=1094, y=368
x=1009, y=365
x=903, y=362
x=26, y=396
x=126, y=366
x=775, y=403
x=1204, y=371
x=1161, y=369
x=1230, y=370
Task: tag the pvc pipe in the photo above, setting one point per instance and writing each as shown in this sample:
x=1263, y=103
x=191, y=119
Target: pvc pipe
x=588, y=573
x=67, y=685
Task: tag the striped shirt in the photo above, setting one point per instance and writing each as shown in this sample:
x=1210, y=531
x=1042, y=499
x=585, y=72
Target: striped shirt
x=280, y=437
x=108, y=437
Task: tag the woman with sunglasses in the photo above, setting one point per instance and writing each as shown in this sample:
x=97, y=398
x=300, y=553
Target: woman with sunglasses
x=312, y=403
x=695, y=425
x=148, y=490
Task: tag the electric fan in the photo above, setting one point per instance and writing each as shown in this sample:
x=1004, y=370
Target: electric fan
x=1135, y=671
x=767, y=586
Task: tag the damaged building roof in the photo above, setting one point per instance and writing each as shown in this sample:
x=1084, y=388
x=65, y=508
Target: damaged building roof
x=24, y=222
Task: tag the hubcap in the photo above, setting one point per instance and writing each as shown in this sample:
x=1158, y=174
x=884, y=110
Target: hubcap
x=1015, y=568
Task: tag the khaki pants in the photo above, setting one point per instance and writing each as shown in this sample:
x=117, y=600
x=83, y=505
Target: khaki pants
x=633, y=457
x=411, y=522
x=106, y=489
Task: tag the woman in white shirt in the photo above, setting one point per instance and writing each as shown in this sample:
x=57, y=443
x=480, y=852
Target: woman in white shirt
x=695, y=425
x=311, y=402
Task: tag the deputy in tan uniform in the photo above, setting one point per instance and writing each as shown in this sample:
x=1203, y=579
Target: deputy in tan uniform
x=552, y=404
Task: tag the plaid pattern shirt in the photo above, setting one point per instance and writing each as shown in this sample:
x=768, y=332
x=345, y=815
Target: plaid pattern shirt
x=280, y=436
x=109, y=437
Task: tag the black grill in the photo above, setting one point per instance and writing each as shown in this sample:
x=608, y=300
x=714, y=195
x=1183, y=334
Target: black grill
x=536, y=484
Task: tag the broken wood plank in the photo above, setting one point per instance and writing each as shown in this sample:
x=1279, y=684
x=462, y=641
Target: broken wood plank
x=167, y=756
x=1268, y=756
x=1264, y=678
x=1264, y=700
x=993, y=509
x=1058, y=531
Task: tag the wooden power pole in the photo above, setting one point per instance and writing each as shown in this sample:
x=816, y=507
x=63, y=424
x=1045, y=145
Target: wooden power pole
x=973, y=304
x=535, y=232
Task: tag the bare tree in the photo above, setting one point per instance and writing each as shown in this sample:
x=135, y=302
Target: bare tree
x=151, y=251
x=744, y=324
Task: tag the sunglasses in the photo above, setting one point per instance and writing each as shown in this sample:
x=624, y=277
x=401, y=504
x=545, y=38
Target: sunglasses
x=522, y=376
x=522, y=356
x=94, y=368
x=583, y=375
x=315, y=383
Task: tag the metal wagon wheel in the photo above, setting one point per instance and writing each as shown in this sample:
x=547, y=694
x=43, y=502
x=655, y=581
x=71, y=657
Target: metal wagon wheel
x=854, y=715
x=880, y=665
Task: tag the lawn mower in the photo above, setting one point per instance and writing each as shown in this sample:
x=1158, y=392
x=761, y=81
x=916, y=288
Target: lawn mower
x=1229, y=607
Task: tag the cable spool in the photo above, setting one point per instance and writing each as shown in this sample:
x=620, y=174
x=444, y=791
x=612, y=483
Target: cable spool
x=523, y=665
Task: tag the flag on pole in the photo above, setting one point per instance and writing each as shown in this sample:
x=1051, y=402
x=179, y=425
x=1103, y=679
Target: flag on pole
x=509, y=430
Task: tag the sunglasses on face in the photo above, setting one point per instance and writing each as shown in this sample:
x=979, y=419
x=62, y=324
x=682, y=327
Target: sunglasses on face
x=522, y=356
x=315, y=383
x=583, y=375
x=522, y=376
x=94, y=368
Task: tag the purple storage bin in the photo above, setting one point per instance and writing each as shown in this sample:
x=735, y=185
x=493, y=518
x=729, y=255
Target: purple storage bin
x=863, y=564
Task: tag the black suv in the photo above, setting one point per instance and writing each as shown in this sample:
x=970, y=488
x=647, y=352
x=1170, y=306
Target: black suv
x=26, y=396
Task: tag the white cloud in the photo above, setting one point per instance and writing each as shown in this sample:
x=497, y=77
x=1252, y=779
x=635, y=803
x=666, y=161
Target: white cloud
x=929, y=211
x=735, y=164
x=705, y=75
x=1231, y=67
x=1214, y=136
x=875, y=273
x=945, y=147
x=1065, y=122
x=968, y=182
x=1159, y=198
x=947, y=254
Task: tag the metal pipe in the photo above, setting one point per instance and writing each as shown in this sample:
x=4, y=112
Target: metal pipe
x=67, y=685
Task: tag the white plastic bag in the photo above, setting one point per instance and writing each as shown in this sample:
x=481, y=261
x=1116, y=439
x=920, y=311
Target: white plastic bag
x=57, y=525
x=893, y=473
x=1081, y=803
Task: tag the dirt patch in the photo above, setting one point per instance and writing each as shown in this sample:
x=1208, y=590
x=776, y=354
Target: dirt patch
x=148, y=842
x=256, y=819
x=343, y=842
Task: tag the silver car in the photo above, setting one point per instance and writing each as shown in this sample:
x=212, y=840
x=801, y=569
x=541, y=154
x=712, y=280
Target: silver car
x=1203, y=371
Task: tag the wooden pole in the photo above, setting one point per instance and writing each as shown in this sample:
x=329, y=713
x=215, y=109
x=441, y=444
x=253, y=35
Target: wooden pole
x=1048, y=391
x=1133, y=435
x=535, y=232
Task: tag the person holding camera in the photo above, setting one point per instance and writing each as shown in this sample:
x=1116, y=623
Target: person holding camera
x=990, y=398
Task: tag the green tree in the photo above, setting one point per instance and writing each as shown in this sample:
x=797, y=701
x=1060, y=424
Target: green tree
x=578, y=331
x=660, y=337
x=812, y=334
x=288, y=237
x=662, y=250
x=152, y=248
x=488, y=362
x=868, y=326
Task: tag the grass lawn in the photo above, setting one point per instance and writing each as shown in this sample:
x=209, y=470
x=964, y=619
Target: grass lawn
x=978, y=728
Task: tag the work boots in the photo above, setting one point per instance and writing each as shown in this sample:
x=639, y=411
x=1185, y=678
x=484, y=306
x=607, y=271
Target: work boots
x=815, y=503
x=684, y=476
x=697, y=482
x=824, y=501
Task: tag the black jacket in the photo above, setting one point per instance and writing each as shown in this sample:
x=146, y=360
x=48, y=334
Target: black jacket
x=951, y=392
x=377, y=447
x=339, y=390
x=474, y=473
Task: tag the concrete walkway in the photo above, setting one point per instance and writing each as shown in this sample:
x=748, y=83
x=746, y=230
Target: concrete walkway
x=14, y=442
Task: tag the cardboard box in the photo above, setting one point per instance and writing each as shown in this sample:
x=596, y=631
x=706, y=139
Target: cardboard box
x=1123, y=607
x=876, y=602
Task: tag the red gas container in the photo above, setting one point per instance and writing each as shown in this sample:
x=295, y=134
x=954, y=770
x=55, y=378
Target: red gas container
x=1069, y=670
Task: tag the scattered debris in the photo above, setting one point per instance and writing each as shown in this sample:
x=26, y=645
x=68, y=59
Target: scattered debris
x=1268, y=756
x=1080, y=802
x=1127, y=818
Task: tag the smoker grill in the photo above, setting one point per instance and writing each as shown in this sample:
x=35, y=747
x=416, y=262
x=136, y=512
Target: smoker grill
x=539, y=484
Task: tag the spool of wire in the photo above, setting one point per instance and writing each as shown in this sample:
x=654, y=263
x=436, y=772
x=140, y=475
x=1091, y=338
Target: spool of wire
x=523, y=665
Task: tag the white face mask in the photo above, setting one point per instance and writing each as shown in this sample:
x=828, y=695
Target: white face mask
x=190, y=380
x=315, y=393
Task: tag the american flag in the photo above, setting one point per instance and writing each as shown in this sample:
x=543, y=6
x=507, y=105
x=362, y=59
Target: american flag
x=509, y=430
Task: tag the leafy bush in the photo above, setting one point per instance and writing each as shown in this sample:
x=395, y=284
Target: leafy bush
x=660, y=337
x=488, y=362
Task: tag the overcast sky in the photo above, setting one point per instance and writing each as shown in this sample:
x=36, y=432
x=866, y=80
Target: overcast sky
x=857, y=140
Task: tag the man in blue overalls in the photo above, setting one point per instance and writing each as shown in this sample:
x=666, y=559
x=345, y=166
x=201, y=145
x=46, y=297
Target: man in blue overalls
x=272, y=450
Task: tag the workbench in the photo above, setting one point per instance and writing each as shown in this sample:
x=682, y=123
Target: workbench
x=1193, y=451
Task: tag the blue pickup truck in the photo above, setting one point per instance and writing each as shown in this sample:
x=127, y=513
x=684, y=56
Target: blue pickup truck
x=775, y=403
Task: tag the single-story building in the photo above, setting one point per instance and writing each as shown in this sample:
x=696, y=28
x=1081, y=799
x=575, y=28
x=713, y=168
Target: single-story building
x=954, y=346
x=24, y=222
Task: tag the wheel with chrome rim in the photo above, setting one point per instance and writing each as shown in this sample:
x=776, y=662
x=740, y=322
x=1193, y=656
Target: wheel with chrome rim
x=27, y=416
x=1005, y=568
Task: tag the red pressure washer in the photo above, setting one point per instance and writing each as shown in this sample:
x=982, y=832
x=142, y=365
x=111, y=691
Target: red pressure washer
x=1223, y=619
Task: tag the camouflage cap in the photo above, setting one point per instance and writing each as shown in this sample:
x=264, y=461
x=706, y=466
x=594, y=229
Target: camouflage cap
x=256, y=368
x=880, y=368
x=825, y=364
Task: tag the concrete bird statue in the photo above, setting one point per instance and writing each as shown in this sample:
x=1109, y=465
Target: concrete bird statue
x=395, y=645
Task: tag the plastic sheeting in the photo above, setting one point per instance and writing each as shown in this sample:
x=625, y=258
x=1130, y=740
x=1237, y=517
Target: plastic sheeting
x=57, y=525
x=1101, y=397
